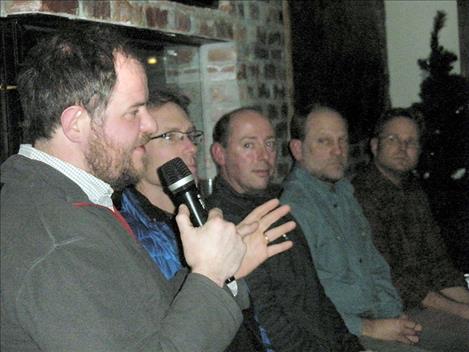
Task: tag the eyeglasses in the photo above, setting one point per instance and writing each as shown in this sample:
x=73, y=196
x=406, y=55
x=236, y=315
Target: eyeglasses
x=174, y=137
x=395, y=141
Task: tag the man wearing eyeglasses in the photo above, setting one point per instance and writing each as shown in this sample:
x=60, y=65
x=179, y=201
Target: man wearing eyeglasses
x=405, y=232
x=353, y=273
x=150, y=211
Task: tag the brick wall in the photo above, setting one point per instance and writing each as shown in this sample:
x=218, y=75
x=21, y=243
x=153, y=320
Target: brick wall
x=249, y=67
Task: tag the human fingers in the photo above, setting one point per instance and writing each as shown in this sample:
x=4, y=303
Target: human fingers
x=280, y=230
x=182, y=219
x=413, y=339
x=247, y=229
x=261, y=210
x=410, y=324
x=278, y=248
x=215, y=213
x=271, y=217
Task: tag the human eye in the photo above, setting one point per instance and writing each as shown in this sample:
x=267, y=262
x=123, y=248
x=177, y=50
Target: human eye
x=132, y=114
x=271, y=144
x=173, y=136
x=248, y=145
x=412, y=144
x=323, y=141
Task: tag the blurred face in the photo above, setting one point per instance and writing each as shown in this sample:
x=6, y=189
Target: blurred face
x=397, y=149
x=169, y=118
x=115, y=143
x=248, y=160
x=324, y=152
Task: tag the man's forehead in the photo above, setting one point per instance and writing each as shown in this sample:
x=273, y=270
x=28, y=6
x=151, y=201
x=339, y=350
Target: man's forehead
x=245, y=121
x=400, y=123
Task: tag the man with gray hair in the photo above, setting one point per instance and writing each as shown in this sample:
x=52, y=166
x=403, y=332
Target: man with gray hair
x=353, y=273
x=287, y=296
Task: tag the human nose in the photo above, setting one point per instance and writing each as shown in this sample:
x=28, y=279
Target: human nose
x=339, y=148
x=188, y=143
x=148, y=124
x=264, y=152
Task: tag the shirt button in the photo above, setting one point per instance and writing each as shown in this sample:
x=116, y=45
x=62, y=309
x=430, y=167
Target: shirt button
x=360, y=260
x=335, y=205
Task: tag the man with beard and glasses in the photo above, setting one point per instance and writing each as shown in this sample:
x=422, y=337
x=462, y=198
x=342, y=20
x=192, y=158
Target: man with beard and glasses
x=404, y=231
x=73, y=276
x=353, y=273
x=150, y=210
x=287, y=296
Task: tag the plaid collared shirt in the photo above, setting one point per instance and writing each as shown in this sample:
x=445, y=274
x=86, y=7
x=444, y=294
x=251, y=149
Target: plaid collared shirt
x=98, y=192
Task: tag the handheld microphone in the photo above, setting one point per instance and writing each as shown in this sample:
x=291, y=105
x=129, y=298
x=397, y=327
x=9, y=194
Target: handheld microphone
x=180, y=182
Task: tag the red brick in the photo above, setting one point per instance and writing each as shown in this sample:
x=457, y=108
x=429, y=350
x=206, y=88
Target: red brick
x=222, y=54
x=156, y=17
x=124, y=11
x=63, y=6
x=224, y=30
x=97, y=9
x=206, y=29
x=185, y=56
x=183, y=22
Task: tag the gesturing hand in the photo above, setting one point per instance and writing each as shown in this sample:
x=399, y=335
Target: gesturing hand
x=254, y=229
x=215, y=249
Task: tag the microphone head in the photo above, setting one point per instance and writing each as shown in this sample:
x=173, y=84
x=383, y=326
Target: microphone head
x=175, y=174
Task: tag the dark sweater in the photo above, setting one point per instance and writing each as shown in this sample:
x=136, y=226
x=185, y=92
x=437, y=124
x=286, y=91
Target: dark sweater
x=286, y=293
x=406, y=234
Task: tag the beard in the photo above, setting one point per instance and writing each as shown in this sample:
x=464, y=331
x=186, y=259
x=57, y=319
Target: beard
x=109, y=161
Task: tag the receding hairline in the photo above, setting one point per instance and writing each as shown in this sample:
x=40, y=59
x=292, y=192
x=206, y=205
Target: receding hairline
x=395, y=117
x=241, y=113
x=326, y=112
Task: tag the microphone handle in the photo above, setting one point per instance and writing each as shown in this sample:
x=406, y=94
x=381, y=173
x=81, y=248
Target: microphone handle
x=199, y=214
x=193, y=200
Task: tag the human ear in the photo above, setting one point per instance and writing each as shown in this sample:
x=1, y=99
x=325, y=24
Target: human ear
x=295, y=149
x=218, y=153
x=75, y=123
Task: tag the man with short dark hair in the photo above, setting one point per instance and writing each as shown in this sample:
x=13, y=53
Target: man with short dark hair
x=150, y=210
x=353, y=273
x=288, y=299
x=405, y=232
x=73, y=277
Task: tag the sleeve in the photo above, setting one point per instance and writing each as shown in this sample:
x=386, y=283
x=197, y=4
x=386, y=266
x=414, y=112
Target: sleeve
x=444, y=274
x=304, y=215
x=388, y=296
x=78, y=298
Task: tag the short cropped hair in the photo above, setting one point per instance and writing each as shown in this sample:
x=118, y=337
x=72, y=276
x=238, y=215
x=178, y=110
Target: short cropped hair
x=72, y=67
x=299, y=122
x=221, y=131
x=390, y=114
x=159, y=97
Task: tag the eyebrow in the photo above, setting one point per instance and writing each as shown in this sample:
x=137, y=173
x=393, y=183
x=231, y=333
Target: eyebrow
x=255, y=137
